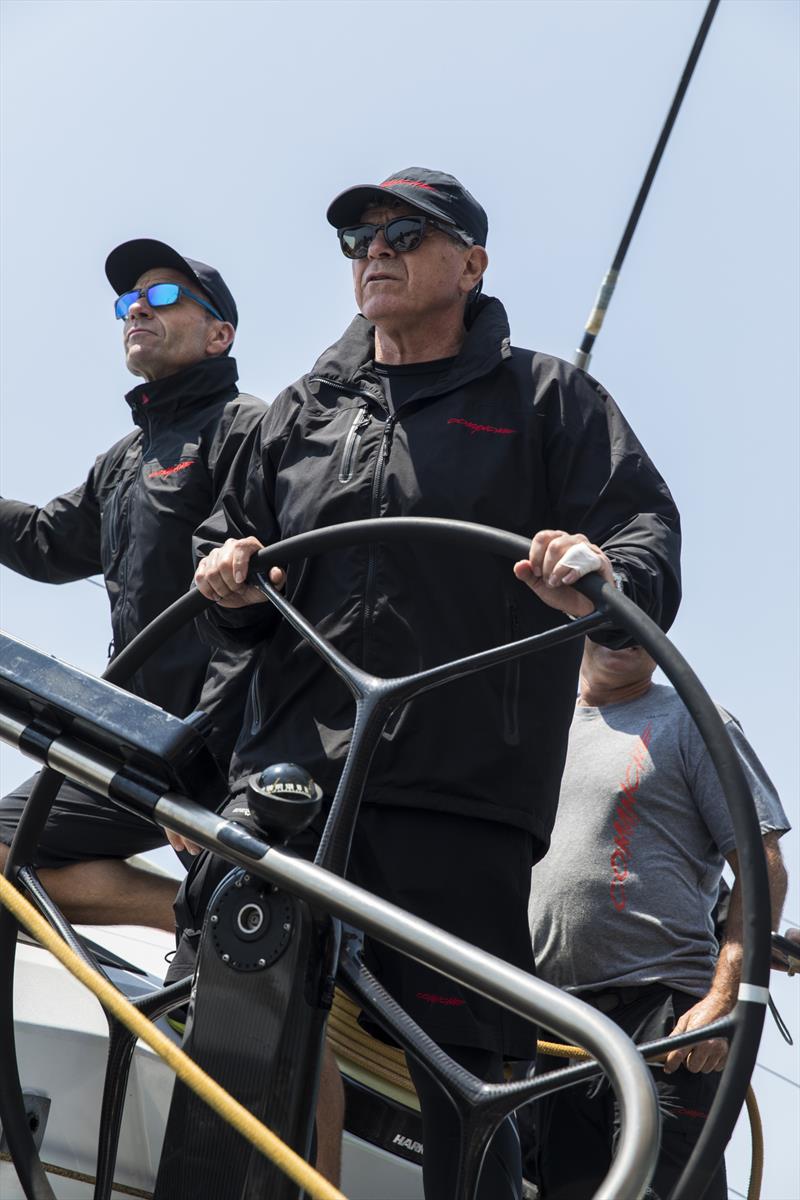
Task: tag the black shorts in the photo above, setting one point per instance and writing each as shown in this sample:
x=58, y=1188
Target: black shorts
x=469, y=877
x=82, y=826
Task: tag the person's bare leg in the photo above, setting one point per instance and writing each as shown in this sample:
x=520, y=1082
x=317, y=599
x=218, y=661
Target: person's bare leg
x=330, y=1119
x=109, y=891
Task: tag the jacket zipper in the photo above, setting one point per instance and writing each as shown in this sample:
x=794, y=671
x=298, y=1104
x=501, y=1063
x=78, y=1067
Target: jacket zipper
x=146, y=440
x=255, y=701
x=372, y=560
x=359, y=424
x=352, y=389
x=113, y=523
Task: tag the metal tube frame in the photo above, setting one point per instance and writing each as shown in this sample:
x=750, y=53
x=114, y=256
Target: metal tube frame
x=633, y=1162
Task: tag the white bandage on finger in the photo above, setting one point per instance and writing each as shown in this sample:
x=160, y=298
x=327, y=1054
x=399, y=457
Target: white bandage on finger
x=581, y=559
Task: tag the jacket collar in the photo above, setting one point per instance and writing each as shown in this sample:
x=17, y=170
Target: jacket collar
x=487, y=342
x=200, y=382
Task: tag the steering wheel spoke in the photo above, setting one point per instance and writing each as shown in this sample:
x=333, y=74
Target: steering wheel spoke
x=375, y=699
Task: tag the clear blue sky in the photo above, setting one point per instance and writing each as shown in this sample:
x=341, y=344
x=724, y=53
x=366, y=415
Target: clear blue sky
x=225, y=128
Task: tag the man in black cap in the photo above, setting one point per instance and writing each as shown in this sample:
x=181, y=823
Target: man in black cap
x=424, y=408
x=132, y=519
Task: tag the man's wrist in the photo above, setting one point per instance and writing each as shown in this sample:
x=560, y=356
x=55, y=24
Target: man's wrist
x=728, y=974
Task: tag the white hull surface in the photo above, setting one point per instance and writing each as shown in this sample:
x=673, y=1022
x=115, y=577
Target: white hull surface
x=61, y=1034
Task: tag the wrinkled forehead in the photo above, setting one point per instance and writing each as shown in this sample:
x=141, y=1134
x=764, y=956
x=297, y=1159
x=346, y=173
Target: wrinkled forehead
x=165, y=275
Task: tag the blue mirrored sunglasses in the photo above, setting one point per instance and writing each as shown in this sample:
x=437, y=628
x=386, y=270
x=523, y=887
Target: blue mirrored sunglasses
x=159, y=295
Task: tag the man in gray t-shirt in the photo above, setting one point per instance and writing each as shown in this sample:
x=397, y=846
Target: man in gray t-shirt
x=621, y=906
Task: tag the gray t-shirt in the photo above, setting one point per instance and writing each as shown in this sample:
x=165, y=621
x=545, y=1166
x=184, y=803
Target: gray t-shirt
x=625, y=893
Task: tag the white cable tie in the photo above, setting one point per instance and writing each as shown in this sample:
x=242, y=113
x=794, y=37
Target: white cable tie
x=581, y=559
x=750, y=994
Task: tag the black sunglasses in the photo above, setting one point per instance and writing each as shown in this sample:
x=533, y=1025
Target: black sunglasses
x=401, y=234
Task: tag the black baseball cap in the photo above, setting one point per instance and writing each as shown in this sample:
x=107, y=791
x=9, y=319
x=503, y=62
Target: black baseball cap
x=128, y=262
x=432, y=192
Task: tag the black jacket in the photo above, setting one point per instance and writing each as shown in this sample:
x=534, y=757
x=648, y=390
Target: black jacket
x=132, y=520
x=508, y=438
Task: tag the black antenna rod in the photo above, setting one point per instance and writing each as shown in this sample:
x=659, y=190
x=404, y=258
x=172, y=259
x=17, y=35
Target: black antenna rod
x=596, y=316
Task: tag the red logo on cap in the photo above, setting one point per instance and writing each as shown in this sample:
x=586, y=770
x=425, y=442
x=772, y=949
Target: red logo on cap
x=409, y=183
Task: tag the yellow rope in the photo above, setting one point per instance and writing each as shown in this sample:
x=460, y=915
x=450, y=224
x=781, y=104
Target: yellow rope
x=354, y=1045
x=558, y=1050
x=342, y=1031
x=188, y=1071
x=757, y=1144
